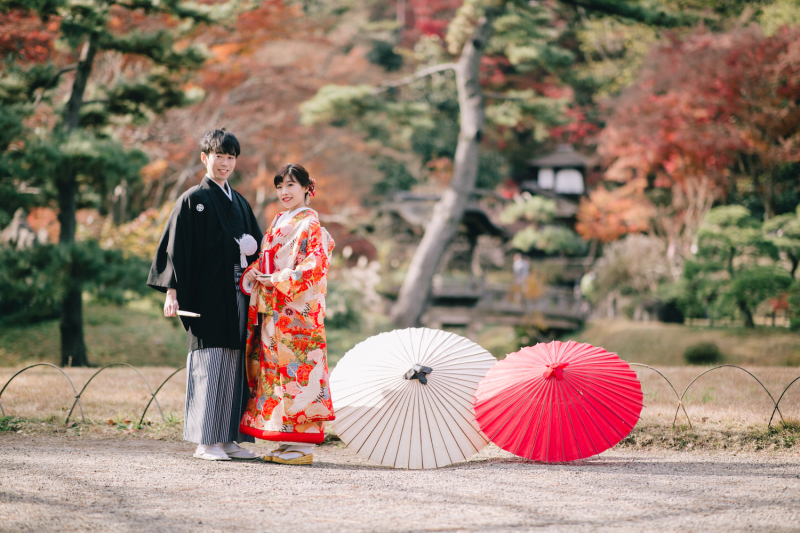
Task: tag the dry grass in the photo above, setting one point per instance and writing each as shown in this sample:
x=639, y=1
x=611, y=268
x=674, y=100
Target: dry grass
x=112, y=403
x=723, y=398
x=728, y=408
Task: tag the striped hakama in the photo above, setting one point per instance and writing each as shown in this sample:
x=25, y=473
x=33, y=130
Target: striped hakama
x=216, y=388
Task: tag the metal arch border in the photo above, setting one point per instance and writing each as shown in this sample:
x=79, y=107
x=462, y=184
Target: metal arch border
x=743, y=370
x=153, y=397
x=680, y=401
x=78, y=396
x=779, y=401
x=74, y=391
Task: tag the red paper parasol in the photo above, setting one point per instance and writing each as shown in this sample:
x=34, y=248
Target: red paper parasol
x=558, y=401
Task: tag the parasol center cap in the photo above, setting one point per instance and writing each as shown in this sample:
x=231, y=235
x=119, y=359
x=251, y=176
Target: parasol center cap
x=419, y=373
x=555, y=370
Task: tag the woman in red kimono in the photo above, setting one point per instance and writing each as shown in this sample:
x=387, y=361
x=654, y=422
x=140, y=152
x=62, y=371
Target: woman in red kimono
x=287, y=366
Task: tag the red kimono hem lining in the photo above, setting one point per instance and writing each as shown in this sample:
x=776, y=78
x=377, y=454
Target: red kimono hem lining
x=309, y=438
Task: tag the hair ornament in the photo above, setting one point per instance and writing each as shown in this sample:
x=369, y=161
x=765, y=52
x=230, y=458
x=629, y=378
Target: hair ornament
x=312, y=188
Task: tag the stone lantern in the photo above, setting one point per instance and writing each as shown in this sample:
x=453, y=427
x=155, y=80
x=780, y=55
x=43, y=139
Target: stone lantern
x=561, y=172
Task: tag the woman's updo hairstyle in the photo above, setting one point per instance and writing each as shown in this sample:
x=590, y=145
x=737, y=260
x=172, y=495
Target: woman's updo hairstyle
x=299, y=174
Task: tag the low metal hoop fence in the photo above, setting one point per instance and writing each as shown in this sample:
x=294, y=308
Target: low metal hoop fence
x=679, y=397
x=77, y=395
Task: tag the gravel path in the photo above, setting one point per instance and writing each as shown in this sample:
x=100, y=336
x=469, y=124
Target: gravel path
x=57, y=483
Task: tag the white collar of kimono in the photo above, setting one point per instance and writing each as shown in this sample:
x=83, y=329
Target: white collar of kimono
x=226, y=188
x=284, y=218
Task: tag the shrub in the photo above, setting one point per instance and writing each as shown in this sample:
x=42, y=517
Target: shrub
x=703, y=353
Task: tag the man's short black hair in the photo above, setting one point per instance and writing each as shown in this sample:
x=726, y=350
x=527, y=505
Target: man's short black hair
x=220, y=142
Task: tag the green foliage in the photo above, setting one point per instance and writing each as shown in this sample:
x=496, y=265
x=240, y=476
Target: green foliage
x=793, y=300
x=613, y=52
x=33, y=282
x=383, y=54
x=395, y=177
x=753, y=285
x=343, y=305
x=779, y=13
x=703, y=353
x=783, y=231
x=96, y=162
x=338, y=103
x=530, y=208
x=736, y=267
x=525, y=35
x=158, y=46
x=492, y=170
x=550, y=240
x=730, y=237
x=9, y=423
x=541, y=235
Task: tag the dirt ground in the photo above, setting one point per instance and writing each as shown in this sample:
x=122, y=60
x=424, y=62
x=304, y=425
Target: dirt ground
x=65, y=483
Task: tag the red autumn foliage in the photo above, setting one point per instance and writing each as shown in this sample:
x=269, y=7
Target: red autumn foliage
x=577, y=131
x=26, y=37
x=706, y=105
x=431, y=17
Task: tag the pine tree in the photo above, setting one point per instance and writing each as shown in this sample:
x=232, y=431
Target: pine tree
x=59, y=121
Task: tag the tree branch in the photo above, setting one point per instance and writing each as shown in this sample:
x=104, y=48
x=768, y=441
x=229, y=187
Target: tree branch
x=52, y=82
x=652, y=17
x=58, y=74
x=383, y=87
x=501, y=96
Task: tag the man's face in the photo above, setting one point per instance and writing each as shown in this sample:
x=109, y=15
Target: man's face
x=218, y=166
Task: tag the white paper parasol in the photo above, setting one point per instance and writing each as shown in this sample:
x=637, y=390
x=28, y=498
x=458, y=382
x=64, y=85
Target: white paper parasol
x=404, y=398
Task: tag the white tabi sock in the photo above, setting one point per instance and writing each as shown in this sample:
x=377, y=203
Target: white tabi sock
x=297, y=450
x=236, y=451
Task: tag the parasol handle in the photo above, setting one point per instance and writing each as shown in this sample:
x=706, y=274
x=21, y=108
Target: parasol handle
x=419, y=372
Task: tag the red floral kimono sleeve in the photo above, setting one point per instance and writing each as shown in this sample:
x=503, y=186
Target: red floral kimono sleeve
x=312, y=264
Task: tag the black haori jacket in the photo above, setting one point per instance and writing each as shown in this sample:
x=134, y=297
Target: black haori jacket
x=196, y=256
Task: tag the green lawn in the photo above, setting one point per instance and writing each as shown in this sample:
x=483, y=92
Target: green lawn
x=137, y=334
x=654, y=343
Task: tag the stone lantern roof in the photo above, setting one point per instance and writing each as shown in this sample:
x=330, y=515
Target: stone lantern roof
x=564, y=156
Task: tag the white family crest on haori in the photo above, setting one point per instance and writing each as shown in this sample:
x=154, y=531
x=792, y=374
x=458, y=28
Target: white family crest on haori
x=404, y=398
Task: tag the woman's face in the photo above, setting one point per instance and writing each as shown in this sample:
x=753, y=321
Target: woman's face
x=290, y=194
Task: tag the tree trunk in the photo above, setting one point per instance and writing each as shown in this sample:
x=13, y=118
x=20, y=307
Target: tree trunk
x=73, y=346
x=748, y=316
x=448, y=212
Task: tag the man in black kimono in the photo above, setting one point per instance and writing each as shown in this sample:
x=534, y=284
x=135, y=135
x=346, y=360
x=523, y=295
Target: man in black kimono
x=210, y=237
